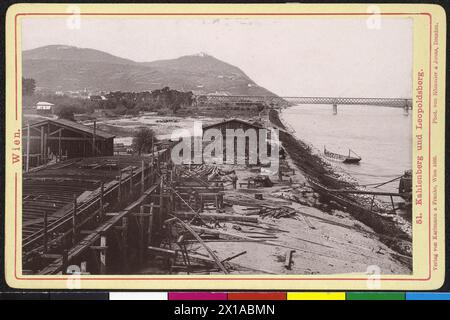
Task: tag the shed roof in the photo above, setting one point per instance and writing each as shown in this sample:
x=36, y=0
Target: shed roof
x=256, y=126
x=73, y=125
x=44, y=103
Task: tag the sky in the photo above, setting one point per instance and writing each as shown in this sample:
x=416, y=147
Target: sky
x=336, y=57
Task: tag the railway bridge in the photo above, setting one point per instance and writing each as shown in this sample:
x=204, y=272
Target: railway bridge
x=277, y=101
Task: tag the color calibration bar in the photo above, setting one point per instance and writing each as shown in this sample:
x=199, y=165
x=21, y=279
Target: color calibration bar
x=273, y=296
x=225, y=296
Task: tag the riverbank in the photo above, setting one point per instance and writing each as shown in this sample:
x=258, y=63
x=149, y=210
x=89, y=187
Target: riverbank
x=321, y=174
x=163, y=125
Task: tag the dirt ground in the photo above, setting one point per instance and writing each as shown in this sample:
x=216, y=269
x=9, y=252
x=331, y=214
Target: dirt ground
x=323, y=240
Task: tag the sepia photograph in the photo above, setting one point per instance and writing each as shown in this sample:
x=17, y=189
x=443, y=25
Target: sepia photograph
x=217, y=145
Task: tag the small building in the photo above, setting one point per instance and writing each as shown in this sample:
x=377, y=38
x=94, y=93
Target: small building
x=43, y=107
x=60, y=139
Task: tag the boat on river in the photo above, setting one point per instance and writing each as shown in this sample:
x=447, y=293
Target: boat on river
x=352, y=157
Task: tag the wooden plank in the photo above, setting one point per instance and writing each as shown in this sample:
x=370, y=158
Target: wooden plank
x=234, y=256
x=378, y=193
x=219, y=216
x=103, y=255
x=288, y=260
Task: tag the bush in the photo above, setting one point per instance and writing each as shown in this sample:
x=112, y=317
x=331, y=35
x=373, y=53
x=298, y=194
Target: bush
x=68, y=112
x=143, y=140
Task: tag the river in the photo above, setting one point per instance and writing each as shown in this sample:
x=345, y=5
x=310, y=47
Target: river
x=382, y=136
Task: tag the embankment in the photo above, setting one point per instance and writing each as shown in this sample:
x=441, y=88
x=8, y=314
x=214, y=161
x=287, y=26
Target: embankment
x=317, y=170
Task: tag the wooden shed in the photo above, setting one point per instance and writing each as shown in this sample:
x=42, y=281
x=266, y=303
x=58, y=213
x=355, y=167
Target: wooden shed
x=236, y=124
x=58, y=139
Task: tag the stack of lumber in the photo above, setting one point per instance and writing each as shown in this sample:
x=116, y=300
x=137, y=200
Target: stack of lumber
x=264, y=208
x=244, y=200
x=281, y=212
x=218, y=216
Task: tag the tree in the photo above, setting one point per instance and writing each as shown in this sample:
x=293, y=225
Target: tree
x=66, y=112
x=120, y=110
x=143, y=140
x=28, y=86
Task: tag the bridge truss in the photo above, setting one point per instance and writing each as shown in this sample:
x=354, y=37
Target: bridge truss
x=277, y=101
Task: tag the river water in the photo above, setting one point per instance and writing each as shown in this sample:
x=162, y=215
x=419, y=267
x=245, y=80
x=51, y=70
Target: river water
x=382, y=136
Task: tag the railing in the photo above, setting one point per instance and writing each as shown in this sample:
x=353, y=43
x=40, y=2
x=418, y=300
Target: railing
x=65, y=228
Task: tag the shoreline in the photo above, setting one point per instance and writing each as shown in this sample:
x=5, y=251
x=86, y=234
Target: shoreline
x=317, y=170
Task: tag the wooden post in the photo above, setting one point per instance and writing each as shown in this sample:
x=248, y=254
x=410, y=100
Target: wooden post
x=74, y=220
x=93, y=139
x=102, y=192
x=161, y=202
x=119, y=196
x=42, y=146
x=27, y=166
x=125, y=244
x=335, y=109
x=152, y=174
x=45, y=232
x=142, y=177
x=149, y=227
x=83, y=267
x=45, y=148
x=59, y=146
x=173, y=201
x=103, y=255
x=153, y=148
x=141, y=236
x=168, y=208
x=288, y=260
x=393, y=205
x=131, y=181
x=149, y=174
x=221, y=200
x=65, y=260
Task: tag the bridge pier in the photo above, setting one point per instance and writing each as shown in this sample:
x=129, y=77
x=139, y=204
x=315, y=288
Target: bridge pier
x=406, y=110
x=334, y=109
x=407, y=106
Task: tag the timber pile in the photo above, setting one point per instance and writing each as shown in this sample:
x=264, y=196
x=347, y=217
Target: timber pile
x=190, y=252
x=244, y=200
x=264, y=208
x=204, y=172
x=185, y=247
x=302, y=194
x=217, y=217
x=282, y=212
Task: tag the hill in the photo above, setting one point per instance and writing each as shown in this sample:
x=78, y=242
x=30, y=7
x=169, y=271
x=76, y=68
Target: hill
x=66, y=68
